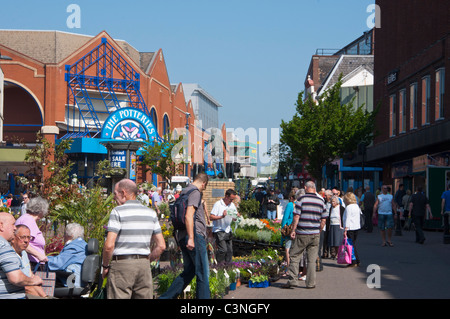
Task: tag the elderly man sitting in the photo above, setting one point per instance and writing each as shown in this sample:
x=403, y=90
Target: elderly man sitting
x=72, y=255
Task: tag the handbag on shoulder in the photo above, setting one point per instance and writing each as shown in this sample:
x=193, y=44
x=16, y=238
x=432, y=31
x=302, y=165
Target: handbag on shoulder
x=286, y=230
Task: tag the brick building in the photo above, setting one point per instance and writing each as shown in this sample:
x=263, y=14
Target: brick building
x=66, y=85
x=412, y=56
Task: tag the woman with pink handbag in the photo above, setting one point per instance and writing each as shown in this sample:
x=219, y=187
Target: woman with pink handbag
x=352, y=223
x=344, y=256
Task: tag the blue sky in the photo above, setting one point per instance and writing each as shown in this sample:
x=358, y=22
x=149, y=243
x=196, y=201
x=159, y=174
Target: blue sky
x=252, y=56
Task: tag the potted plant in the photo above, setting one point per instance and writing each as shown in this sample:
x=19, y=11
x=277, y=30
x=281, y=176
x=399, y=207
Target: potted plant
x=258, y=280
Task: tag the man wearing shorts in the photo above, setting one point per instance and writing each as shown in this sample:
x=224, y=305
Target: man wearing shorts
x=384, y=206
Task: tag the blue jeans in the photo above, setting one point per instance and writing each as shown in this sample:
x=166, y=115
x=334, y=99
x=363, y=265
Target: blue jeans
x=271, y=214
x=195, y=263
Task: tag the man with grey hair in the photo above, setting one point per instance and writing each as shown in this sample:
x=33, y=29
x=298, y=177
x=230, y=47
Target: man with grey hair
x=310, y=215
x=72, y=255
x=132, y=228
x=12, y=279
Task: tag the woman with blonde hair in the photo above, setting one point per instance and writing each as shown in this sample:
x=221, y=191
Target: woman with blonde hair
x=352, y=222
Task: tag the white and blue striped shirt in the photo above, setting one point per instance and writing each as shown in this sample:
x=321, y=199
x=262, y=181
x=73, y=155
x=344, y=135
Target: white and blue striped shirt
x=134, y=224
x=9, y=261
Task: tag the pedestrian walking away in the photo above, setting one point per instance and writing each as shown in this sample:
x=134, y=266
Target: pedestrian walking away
x=310, y=215
x=131, y=229
x=398, y=198
x=192, y=242
x=352, y=218
x=418, y=207
x=288, y=217
x=369, y=202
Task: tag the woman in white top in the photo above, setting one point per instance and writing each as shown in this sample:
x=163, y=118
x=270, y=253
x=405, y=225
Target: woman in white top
x=352, y=222
x=335, y=226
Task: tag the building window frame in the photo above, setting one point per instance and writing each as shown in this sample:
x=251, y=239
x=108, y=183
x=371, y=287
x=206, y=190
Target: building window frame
x=413, y=106
x=426, y=97
x=402, y=110
x=392, y=115
x=440, y=91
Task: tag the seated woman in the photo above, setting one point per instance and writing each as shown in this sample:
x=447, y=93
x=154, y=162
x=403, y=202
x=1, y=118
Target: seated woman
x=72, y=255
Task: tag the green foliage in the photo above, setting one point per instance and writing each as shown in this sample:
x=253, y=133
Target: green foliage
x=321, y=132
x=165, y=279
x=164, y=210
x=91, y=210
x=104, y=169
x=264, y=236
x=48, y=170
x=159, y=158
x=243, y=234
x=258, y=277
x=248, y=208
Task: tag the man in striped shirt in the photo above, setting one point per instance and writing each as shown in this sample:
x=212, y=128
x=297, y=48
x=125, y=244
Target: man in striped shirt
x=12, y=279
x=126, y=254
x=310, y=214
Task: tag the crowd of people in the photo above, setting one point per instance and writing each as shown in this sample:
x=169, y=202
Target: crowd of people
x=320, y=221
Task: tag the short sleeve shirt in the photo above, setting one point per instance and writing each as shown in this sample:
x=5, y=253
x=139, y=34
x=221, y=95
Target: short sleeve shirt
x=9, y=261
x=135, y=225
x=223, y=224
x=312, y=210
x=385, y=204
x=446, y=196
x=195, y=201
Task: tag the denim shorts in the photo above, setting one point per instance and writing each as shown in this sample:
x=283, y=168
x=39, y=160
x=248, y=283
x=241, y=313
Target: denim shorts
x=288, y=243
x=385, y=221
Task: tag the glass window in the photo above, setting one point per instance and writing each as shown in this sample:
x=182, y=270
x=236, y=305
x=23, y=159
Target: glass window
x=154, y=118
x=392, y=115
x=413, y=106
x=166, y=127
x=425, y=100
x=402, y=111
x=440, y=90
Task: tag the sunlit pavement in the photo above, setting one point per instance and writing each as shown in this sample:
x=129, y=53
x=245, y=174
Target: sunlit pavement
x=407, y=270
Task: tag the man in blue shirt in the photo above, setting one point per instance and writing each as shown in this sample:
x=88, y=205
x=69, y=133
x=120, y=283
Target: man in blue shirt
x=445, y=208
x=12, y=279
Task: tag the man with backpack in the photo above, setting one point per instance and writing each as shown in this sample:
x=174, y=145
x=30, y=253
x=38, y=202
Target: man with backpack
x=189, y=221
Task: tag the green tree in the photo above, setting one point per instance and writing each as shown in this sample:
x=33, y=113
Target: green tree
x=325, y=130
x=159, y=158
x=48, y=171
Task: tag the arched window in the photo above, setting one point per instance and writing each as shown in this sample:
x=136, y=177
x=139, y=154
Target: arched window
x=166, y=127
x=154, y=118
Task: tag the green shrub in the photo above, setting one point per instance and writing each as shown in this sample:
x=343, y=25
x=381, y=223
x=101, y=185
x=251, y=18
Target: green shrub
x=249, y=208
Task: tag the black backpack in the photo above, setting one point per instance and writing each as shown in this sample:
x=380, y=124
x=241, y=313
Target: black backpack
x=178, y=210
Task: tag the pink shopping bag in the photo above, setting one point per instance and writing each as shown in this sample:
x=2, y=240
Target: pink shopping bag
x=345, y=253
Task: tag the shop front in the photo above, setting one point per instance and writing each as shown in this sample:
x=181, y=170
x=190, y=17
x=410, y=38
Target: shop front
x=432, y=172
x=122, y=137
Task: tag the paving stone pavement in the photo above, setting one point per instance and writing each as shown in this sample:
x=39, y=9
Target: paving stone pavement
x=406, y=271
